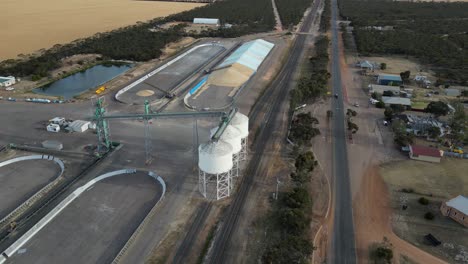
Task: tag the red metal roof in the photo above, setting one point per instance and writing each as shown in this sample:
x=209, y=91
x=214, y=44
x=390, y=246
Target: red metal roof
x=425, y=151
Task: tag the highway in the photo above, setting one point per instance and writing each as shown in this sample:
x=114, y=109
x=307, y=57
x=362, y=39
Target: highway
x=271, y=103
x=342, y=245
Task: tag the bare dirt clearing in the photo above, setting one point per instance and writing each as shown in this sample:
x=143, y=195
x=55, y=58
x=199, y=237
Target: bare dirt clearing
x=32, y=25
x=397, y=64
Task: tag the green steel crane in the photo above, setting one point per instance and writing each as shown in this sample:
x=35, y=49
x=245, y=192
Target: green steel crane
x=102, y=127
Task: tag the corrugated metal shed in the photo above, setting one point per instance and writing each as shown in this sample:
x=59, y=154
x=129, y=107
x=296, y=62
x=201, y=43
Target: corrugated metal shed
x=396, y=100
x=250, y=54
x=79, y=126
x=210, y=21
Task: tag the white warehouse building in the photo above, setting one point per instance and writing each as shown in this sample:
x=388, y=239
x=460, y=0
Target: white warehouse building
x=206, y=21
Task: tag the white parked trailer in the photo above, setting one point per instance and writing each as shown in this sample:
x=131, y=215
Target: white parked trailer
x=206, y=21
x=53, y=128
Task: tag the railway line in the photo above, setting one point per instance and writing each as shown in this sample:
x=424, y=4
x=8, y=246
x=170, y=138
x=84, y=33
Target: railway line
x=270, y=103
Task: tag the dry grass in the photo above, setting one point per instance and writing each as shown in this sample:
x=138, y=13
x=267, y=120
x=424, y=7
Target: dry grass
x=447, y=179
x=30, y=25
x=437, y=183
x=396, y=64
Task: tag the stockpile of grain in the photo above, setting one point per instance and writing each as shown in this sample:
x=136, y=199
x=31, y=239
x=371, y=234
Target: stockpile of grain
x=233, y=76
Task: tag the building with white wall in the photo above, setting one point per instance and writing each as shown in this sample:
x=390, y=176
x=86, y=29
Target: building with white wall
x=206, y=21
x=7, y=81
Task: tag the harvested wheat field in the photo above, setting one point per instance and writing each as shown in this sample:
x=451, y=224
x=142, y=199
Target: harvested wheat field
x=31, y=25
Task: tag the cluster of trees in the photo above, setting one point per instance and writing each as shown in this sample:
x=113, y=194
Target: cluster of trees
x=326, y=17
x=139, y=43
x=135, y=43
x=303, y=128
x=459, y=125
x=437, y=108
x=292, y=216
x=400, y=136
x=352, y=127
x=313, y=83
x=291, y=11
x=433, y=32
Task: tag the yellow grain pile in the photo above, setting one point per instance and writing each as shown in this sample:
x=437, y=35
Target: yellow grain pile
x=233, y=76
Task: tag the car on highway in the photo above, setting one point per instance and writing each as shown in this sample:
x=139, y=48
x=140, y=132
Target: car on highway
x=336, y=96
x=356, y=104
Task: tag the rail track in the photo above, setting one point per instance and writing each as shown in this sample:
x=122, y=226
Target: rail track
x=270, y=103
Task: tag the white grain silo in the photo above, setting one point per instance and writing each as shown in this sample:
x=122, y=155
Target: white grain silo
x=215, y=164
x=241, y=122
x=232, y=136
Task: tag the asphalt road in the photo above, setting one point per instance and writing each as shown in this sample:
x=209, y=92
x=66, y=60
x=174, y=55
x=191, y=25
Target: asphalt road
x=343, y=248
x=271, y=103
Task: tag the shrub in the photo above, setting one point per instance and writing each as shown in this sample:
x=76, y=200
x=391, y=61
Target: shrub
x=384, y=253
x=407, y=190
x=423, y=201
x=429, y=216
x=380, y=104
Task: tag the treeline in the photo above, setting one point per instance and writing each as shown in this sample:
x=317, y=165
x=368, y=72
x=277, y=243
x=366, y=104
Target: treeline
x=371, y=12
x=292, y=11
x=139, y=43
x=313, y=83
x=435, y=33
x=289, y=237
x=325, y=19
x=135, y=43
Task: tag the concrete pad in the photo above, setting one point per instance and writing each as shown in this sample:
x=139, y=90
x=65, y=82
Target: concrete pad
x=21, y=180
x=213, y=97
x=94, y=227
x=173, y=75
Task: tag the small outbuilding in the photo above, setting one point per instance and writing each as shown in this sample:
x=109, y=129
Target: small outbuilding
x=457, y=209
x=52, y=144
x=389, y=79
x=366, y=65
x=206, y=21
x=423, y=153
x=452, y=92
x=79, y=126
x=389, y=101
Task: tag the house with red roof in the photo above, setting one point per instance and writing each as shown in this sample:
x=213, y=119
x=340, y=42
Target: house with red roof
x=425, y=153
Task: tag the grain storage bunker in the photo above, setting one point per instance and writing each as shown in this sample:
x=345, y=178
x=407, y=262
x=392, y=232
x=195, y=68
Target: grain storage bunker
x=241, y=122
x=232, y=136
x=215, y=165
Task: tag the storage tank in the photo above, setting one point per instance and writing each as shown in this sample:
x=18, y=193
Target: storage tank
x=241, y=122
x=232, y=136
x=215, y=157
